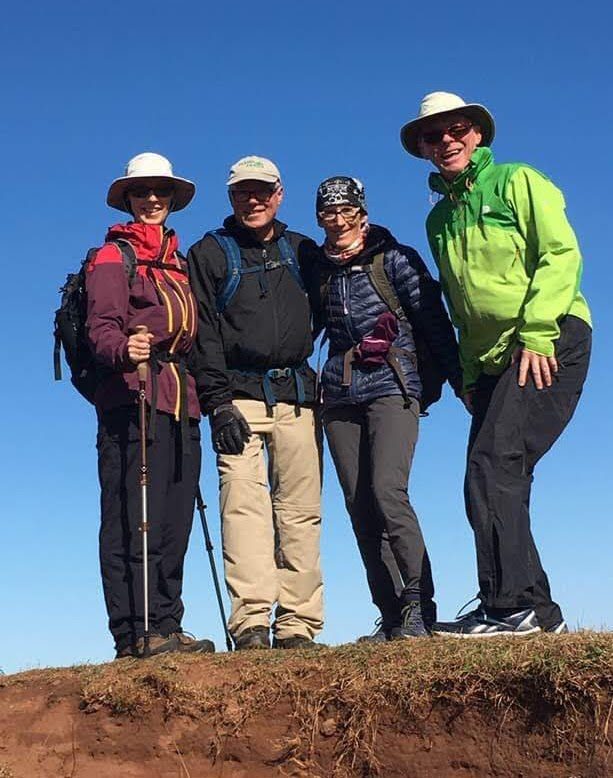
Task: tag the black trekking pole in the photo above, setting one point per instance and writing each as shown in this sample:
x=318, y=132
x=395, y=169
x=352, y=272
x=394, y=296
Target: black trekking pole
x=209, y=547
x=144, y=527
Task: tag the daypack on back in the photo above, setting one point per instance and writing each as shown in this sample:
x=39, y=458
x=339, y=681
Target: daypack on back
x=432, y=379
x=235, y=269
x=69, y=325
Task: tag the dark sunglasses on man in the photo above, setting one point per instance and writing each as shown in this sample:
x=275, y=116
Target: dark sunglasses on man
x=457, y=131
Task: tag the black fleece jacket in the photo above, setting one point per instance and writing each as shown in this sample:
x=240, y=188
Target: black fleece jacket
x=264, y=326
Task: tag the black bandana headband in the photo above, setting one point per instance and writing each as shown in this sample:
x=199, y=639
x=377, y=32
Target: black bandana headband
x=341, y=190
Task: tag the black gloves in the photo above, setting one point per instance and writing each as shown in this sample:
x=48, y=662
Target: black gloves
x=229, y=429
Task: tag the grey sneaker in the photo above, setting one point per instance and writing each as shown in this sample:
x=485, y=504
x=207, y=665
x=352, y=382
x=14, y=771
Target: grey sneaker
x=380, y=634
x=252, y=638
x=187, y=644
x=478, y=624
x=412, y=623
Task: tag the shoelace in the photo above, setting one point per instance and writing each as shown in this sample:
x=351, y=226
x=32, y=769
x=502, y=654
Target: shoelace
x=411, y=614
x=378, y=626
x=184, y=637
x=470, y=613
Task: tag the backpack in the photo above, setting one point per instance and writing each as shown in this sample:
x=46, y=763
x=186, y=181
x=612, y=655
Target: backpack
x=431, y=377
x=235, y=269
x=69, y=325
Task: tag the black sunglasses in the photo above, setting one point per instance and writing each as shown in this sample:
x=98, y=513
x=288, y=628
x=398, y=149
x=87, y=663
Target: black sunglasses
x=457, y=132
x=158, y=191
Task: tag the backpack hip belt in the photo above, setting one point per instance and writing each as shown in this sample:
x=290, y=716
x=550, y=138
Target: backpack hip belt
x=279, y=372
x=391, y=358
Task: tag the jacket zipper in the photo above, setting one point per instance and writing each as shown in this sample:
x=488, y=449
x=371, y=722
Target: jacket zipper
x=275, y=318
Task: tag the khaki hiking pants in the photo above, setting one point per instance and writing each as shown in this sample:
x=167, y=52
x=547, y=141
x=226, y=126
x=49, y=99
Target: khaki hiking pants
x=271, y=533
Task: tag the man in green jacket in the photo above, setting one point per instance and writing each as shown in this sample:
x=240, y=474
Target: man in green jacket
x=510, y=269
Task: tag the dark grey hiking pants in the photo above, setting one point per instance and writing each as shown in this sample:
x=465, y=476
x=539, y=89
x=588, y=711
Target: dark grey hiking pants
x=512, y=428
x=372, y=446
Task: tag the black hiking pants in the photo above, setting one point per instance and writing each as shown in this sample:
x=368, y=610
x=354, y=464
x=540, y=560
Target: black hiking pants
x=172, y=480
x=372, y=446
x=512, y=427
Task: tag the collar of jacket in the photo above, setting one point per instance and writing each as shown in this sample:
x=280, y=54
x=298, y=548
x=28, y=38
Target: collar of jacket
x=246, y=237
x=378, y=239
x=480, y=159
x=146, y=239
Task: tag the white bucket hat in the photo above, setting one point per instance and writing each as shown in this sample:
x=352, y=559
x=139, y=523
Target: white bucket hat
x=149, y=166
x=440, y=103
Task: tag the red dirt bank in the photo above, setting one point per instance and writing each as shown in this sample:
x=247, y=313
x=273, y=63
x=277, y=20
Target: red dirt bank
x=420, y=709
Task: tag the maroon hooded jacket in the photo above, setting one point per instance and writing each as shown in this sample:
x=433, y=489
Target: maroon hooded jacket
x=159, y=298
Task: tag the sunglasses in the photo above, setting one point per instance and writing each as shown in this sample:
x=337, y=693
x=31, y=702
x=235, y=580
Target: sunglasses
x=144, y=191
x=262, y=195
x=457, y=131
x=348, y=213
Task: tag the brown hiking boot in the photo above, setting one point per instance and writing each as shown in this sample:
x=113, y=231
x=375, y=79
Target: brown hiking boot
x=189, y=645
x=158, y=644
x=253, y=637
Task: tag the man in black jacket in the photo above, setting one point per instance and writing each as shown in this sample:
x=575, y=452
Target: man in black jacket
x=251, y=280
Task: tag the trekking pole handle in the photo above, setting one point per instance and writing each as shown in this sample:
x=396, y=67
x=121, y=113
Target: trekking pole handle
x=141, y=368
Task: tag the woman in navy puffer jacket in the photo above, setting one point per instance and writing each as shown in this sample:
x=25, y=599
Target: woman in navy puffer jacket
x=371, y=395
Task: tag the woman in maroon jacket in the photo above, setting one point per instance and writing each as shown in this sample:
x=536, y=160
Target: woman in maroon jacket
x=156, y=295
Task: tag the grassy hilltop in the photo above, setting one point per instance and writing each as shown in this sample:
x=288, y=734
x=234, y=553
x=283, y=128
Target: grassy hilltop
x=532, y=707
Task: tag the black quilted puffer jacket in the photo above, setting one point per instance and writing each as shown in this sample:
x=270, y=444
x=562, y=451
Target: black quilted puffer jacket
x=351, y=307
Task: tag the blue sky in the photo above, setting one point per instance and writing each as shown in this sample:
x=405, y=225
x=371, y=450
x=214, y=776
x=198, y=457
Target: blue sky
x=321, y=88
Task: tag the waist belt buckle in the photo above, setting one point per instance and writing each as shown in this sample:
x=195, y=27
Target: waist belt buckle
x=280, y=372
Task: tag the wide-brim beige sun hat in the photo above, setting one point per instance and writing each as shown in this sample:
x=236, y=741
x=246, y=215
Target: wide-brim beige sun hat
x=439, y=104
x=149, y=166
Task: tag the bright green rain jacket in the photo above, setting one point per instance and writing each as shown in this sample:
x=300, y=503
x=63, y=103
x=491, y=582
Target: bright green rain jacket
x=508, y=259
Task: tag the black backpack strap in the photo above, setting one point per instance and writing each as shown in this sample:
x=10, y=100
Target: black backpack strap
x=128, y=257
x=392, y=359
x=430, y=376
x=383, y=287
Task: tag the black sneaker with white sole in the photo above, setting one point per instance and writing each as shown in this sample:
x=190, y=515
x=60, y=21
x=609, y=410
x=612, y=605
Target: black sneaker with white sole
x=480, y=624
x=557, y=629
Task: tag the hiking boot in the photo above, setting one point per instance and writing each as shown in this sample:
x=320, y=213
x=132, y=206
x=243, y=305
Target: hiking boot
x=187, y=644
x=481, y=624
x=252, y=637
x=296, y=641
x=158, y=644
x=412, y=623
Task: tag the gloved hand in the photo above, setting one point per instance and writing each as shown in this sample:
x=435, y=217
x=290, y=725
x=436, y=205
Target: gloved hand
x=229, y=429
